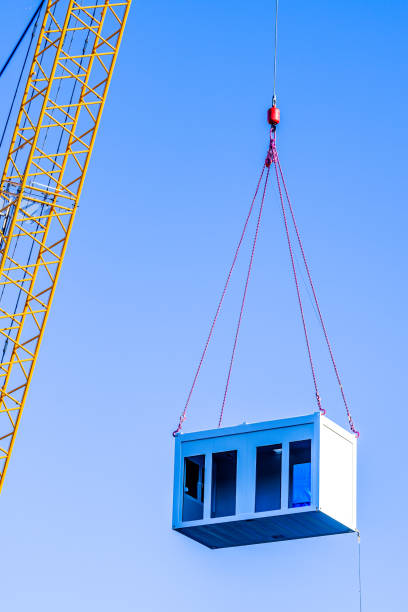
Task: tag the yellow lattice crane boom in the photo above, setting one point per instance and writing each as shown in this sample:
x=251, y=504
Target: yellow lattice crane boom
x=42, y=180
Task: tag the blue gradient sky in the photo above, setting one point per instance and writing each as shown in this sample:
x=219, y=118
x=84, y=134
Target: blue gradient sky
x=86, y=509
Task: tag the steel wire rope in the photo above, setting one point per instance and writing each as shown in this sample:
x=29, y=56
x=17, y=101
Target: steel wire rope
x=183, y=415
x=57, y=95
x=275, y=58
x=85, y=46
x=18, y=83
x=273, y=156
x=359, y=570
x=323, y=326
x=61, y=134
x=304, y=282
x=224, y=399
x=18, y=145
x=7, y=221
x=19, y=151
x=309, y=351
x=20, y=40
x=306, y=287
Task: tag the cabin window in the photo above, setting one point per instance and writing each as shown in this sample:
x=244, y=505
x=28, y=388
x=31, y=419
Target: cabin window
x=224, y=484
x=268, y=478
x=193, y=495
x=300, y=473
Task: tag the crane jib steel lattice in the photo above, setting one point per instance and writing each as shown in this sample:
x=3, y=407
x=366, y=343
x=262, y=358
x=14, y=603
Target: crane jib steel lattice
x=42, y=180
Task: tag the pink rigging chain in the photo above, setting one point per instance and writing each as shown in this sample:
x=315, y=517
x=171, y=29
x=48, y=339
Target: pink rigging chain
x=244, y=297
x=350, y=420
x=273, y=156
x=184, y=413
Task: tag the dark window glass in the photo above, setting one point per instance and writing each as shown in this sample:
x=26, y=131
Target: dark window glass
x=300, y=473
x=268, y=478
x=193, y=494
x=224, y=483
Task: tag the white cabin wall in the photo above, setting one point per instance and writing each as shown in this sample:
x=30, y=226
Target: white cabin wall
x=337, y=487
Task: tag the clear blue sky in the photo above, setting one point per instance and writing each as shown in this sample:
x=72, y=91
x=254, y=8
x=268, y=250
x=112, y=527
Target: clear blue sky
x=86, y=508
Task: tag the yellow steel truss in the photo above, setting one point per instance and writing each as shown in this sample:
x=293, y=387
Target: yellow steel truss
x=43, y=178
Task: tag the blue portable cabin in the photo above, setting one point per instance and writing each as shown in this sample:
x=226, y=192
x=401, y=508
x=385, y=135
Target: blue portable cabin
x=265, y=482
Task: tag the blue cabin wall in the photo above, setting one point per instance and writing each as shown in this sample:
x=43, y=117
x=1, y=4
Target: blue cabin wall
x=238, y=491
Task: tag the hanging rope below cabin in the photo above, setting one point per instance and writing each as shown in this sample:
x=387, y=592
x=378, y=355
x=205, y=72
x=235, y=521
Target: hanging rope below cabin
x=359, y=569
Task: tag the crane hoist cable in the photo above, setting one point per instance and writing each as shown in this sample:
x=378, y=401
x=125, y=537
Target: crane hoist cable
x=36, y=16
x=23, y=35
x=26, y=173
x=275, y=55
x=55, y=99
x=272, y=158
x=38, y=13
x=7, y=219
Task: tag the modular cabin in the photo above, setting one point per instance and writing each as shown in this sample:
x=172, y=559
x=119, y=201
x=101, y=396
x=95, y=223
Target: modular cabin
x=265, y=482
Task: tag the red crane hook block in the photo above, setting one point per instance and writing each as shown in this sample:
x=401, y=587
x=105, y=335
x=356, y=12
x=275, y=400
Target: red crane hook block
x=273, y=115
